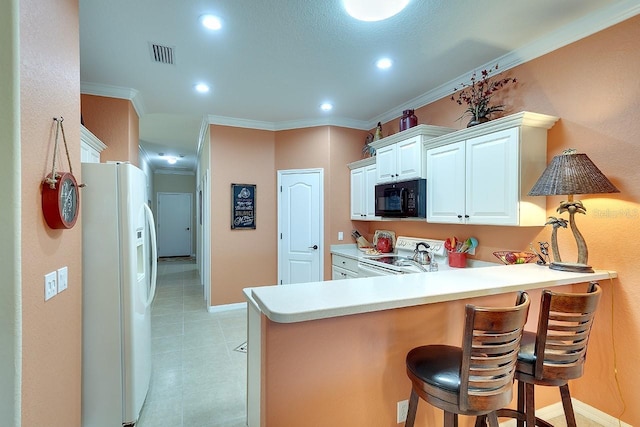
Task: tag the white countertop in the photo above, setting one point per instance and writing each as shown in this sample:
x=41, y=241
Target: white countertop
x=320, y=300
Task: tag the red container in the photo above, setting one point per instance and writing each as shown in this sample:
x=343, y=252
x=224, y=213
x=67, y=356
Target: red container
x=408, y=120
x=458, y=259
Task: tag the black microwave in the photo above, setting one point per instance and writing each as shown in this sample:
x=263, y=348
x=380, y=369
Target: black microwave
x=406, y=199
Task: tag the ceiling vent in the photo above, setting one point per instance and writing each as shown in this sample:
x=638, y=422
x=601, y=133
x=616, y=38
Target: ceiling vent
x=162, y=54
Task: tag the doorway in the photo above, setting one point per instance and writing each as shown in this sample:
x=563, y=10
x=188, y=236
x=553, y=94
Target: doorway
x=300, y=226
x=174, y=224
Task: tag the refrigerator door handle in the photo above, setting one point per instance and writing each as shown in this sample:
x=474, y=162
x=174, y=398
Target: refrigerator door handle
x=154, y=255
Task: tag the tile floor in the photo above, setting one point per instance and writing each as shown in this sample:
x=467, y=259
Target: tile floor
x=198, y=379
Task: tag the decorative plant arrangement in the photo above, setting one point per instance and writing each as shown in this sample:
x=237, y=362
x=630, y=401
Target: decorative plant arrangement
x=477, y=95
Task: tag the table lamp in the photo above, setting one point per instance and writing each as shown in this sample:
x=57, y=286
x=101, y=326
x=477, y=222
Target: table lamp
x=568, y=174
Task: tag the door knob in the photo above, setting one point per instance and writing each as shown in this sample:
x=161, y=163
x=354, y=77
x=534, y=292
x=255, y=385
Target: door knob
x=188, y=228
x=313, y=247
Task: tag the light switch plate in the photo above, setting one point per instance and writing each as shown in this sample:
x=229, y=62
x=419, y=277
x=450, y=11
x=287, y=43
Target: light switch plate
x=50, y=285
x=62, y=279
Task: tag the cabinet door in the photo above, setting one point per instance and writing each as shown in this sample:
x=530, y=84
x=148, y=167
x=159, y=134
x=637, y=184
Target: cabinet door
x=446, y=183
x=386, y=164
x=409, y=159
x=370, y=180
x=358, y=193
x=492, y=181
x=338, y=273
x=88, y=154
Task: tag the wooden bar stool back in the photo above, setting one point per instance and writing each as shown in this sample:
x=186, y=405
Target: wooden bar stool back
x=477, y=378
x=556, y=353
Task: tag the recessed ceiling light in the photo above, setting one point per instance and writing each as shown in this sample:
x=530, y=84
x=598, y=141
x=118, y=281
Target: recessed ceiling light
x=326, y=106
x=171, y=160
x=211, y=22
x=384, y=63
x=202, y=87
x=374, y=10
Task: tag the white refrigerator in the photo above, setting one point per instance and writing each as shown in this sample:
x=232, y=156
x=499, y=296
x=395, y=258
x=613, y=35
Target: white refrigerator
x=119, y=278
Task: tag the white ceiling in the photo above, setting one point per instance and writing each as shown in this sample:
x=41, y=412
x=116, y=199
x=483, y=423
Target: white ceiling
x=275, y=61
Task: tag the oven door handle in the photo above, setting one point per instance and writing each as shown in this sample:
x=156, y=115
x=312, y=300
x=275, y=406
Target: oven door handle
x=371, y=271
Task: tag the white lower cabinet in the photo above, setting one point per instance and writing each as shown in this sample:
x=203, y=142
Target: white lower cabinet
x=343, y=267
x=483, y=177
x=363, y=183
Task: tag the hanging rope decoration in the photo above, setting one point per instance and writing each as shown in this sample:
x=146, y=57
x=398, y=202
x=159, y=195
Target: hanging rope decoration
x=52, y=179
x=60, y=203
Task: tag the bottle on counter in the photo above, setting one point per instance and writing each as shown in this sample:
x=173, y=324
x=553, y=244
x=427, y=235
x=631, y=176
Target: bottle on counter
x=408, y=120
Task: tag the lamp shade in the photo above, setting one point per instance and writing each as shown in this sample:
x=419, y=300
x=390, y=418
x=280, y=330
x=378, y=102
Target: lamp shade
x=572, y=173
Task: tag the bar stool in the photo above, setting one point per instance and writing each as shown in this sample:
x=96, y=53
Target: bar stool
x=477, y=378
x=556, y=353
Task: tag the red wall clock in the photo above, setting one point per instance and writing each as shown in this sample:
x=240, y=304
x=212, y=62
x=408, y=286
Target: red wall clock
x=60, y=201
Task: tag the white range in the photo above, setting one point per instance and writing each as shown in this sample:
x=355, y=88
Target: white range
x=400, y=261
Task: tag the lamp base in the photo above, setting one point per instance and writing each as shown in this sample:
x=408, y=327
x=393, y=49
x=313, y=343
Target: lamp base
x=571, y=266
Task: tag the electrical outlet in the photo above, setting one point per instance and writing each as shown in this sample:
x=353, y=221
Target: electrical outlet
x=62, y=279
x=50, y=285
x=403, y=408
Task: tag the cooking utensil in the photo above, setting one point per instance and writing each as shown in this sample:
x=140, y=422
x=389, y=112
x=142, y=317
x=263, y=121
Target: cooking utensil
x=450, y=244
x=469, y=244
x=474, y=243
x=422, y=256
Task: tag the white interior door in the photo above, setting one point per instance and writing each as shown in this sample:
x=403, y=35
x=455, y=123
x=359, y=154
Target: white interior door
x=174, y=224
x=300, y=226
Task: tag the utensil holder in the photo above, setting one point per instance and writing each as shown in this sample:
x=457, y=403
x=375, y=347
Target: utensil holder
x=458, y=259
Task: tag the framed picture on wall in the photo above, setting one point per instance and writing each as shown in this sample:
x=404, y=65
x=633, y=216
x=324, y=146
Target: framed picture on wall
x=243, y=206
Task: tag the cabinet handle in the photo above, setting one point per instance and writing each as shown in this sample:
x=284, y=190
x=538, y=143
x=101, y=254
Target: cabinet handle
x=459, y=216
x=466, y=216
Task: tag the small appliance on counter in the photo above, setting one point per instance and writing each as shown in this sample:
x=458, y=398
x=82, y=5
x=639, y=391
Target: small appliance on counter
x=384, y=241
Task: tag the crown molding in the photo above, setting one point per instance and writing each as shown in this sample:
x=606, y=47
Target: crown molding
x=587, y=26
x=286, y=125
x=115, y=92
x=91, y=140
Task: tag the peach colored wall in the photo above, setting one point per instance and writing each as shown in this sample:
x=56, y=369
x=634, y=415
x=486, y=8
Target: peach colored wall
x=329, y=148
x=49, y=87
x=115, y=122
x=346, y=145
x=592, y=85
x=251, y=156
x=242, y=258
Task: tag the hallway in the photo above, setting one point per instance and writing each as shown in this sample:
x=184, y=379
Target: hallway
x=199, y=375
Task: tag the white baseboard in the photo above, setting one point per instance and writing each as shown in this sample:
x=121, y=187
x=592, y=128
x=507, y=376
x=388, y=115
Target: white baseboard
x=552, y=411
x=226, y=307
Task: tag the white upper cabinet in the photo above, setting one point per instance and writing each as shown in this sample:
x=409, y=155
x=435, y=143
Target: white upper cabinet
x=482, y=175
x=401, y=161
x=90, y=146
x=363, y=181
x=401, y=157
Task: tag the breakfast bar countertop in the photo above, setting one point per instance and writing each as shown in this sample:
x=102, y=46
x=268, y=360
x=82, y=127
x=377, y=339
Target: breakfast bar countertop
x=319, y=300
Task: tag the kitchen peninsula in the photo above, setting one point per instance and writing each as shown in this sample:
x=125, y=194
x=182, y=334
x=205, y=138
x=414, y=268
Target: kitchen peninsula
x=332, y=353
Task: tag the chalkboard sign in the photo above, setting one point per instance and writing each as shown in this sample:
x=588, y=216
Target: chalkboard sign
x=243, y=206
